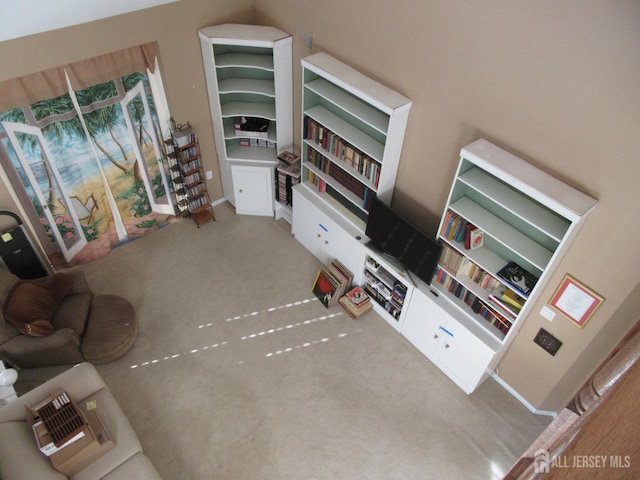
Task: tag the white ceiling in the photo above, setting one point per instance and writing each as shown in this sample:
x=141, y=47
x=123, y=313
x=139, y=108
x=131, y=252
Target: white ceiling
x=19, y=18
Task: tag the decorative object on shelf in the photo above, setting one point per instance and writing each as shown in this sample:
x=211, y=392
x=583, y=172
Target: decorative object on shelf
x=248, y=69
x=518, y=278
x=189, y=190
x=476, y=238
x=575, y=300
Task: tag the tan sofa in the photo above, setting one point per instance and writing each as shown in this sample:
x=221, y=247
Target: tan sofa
x=20, y=458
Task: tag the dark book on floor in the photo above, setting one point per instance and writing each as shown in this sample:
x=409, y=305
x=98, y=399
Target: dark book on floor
x=519, y=278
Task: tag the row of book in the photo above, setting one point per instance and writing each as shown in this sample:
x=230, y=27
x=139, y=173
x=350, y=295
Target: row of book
x=341, y=176
x=193, y=178
x=197, y=189
x=256, y=142
x=189, y=153
x=390, y=296
x=331, y=283
x=356, y=302
x=499, y=320
x=456, y=229
x=323, y=188
x=198, y=202
x=338, y=147
x=184, y=136
x=191, y=165
x=365, y=194
x=459, y=265
x=286, y=177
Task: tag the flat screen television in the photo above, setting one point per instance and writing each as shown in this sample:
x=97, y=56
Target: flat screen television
x=414, y=249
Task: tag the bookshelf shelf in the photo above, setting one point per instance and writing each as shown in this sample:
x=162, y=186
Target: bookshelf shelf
x=529, y=219
x=248, y=73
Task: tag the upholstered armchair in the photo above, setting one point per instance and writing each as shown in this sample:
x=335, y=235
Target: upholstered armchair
x=57, y=320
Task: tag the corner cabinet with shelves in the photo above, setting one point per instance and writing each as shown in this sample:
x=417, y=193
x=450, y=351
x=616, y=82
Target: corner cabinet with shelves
x=352, y=134
x=249, y=82
x=527, y=219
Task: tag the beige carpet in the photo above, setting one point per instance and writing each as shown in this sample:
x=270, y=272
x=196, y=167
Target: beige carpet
x=238, y=373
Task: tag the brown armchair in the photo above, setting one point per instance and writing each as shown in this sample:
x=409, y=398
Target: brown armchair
x=86, y=327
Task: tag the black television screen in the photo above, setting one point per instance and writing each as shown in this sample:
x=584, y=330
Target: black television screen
x=415, y=250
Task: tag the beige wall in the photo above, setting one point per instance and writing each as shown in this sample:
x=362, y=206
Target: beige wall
x=557, y=82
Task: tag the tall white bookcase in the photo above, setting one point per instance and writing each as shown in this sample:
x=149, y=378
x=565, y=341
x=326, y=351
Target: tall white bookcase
x=352, y=134
x=248, y=70
x=527, y=217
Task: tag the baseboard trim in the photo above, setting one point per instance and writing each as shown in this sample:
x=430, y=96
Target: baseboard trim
x=220, y=201
x=520, y=398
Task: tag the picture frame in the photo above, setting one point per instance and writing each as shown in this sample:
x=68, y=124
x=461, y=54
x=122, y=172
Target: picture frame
x=575, y=300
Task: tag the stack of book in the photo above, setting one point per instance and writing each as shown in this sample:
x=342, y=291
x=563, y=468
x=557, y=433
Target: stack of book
x=356, y=302
x=331, y=283
x=287, y=175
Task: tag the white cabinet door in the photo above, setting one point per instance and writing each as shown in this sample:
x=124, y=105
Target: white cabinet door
x=253, y=188
x=324, y=238
x=423, y=325
x=462, y=356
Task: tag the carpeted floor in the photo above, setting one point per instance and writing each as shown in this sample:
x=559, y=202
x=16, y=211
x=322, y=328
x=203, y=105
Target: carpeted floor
x=238, y=373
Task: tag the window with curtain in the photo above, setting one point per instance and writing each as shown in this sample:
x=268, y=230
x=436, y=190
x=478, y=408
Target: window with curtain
x=82, y=146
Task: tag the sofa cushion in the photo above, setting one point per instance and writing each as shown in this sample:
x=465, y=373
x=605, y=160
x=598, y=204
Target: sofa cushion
x=30, y=305
x=20, y=458
x=118, y=426
x=73, y=312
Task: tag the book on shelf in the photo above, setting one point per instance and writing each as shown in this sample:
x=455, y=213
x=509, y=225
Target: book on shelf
x=513, y=299
x=518, y=278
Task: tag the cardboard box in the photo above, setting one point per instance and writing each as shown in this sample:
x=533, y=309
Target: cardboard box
x=79, y=452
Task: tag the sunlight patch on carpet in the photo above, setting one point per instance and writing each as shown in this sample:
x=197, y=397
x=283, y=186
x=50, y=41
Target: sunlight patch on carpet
x=176, y=355
x=291, y=325
x=262, y=312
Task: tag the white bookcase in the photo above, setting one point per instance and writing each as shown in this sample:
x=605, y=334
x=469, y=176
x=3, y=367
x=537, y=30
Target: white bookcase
x=526, y=216
x=352, y=134
x=248, y=73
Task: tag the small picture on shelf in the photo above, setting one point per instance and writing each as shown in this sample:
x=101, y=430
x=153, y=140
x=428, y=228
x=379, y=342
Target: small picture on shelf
x=519, y=278
x=476, y=238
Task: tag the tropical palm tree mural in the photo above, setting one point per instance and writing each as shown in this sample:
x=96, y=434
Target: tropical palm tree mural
x=109, y=172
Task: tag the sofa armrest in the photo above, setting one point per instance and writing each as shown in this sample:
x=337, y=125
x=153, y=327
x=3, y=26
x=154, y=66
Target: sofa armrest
x=62, y=347
x=80, y=381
